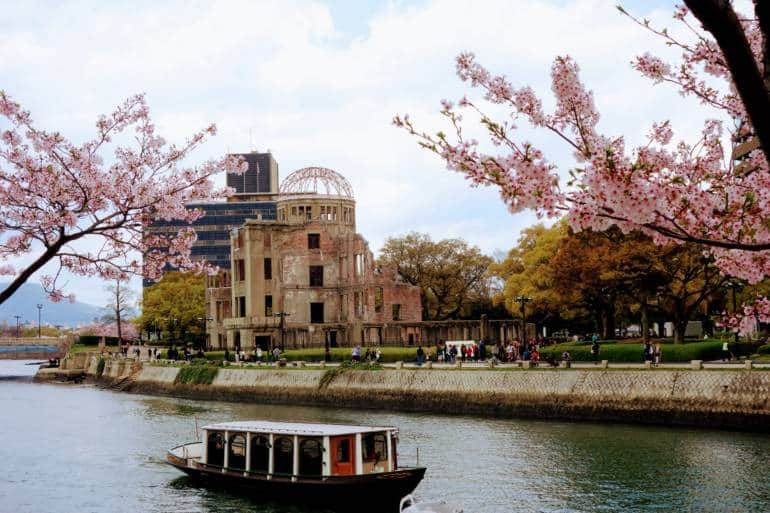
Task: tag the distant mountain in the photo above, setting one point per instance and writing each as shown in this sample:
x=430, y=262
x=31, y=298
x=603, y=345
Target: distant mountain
x=25, y=300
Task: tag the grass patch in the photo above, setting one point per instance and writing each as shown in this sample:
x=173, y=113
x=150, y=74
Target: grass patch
x=81, y=348
x=625, y=353
x=196, y=375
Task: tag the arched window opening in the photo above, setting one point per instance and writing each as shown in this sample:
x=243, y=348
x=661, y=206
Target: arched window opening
x=283, y=456
x=310, y=457
x=215, y=449
x=236, y=458
x=260, y=454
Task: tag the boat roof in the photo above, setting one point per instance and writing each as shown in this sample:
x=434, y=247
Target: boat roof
x=294, y=428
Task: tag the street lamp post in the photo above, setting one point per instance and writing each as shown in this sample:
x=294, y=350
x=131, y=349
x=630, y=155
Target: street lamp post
x=17, y=317
x=205, y=320
x=523, y=300
x=39, y=312
x=283, y=316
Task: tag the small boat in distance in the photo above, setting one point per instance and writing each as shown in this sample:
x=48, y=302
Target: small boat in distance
x=339, y=466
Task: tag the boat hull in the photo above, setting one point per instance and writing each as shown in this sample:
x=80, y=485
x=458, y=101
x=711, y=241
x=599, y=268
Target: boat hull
x=380, y=492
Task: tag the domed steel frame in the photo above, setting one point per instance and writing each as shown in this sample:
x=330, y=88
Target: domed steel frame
x=317, y=180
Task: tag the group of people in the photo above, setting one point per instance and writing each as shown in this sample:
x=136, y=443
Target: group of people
x=450, y=352
x=370, y=356
x=652, y=353
x=257, y=355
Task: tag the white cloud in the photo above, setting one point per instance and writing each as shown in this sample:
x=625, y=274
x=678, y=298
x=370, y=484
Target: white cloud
x=283, y=72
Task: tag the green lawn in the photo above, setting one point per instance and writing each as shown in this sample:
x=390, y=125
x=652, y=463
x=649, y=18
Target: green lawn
x=339, y=354
x=82, y=348
x=614, y=352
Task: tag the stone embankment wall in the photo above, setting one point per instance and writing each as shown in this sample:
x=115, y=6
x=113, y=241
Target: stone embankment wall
x=730, y=399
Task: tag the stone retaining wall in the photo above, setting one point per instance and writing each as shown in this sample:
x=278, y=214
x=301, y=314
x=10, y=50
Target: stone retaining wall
x=732, y=399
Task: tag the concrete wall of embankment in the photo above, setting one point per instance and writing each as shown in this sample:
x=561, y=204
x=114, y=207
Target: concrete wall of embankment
x=731, y=399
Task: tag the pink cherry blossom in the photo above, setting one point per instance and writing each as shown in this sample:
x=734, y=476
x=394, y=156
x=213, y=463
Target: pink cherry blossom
x=56, y=195
x=674, y=191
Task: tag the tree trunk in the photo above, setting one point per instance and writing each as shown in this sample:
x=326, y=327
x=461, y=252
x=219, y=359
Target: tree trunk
x=645, y=322
x=680, y=327
x=608, y=323
x=719, y=18
x=117, y=312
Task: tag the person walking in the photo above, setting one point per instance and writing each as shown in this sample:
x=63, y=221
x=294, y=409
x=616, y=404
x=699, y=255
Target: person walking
x=595, y=349
x=420, y=356
x=657, y=353
x=725, y=351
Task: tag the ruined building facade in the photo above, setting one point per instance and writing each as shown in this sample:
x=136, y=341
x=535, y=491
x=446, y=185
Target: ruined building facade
x=294, y=271
x=306, y=278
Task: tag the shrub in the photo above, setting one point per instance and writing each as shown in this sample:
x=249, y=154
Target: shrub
x=100, y=368
x=332, y=374
x=197, y=375
x=765, y=349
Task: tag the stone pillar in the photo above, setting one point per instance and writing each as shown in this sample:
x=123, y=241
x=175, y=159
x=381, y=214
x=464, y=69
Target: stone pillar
x=271, y=455
x=526, y=364
x=749, y=365
x=605, y=364
x=696, y=364
x=484, y=329
x=648, y=364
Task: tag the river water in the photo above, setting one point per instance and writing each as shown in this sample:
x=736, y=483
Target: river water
x=70, y=448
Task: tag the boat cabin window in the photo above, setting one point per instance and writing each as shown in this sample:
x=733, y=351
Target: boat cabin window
x=260, y=454
x=215, y=449
x=310, y=457
x=375, y=447
x=283, y=456
x=236, y=457
x=343, y=451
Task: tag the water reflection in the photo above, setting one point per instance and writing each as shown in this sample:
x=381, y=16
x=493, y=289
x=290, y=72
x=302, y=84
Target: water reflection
x=79, y=448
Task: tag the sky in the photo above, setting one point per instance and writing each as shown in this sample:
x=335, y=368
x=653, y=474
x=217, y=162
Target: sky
x=317, y=83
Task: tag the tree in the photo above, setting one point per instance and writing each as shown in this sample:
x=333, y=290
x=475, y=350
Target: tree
x=108, y=329
x=683, y=192
x=735, y=38
x=177, y=303
x=689, y=281
x=57, y=198
x=120, y=303
x=527, y=271
x=450, y=273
